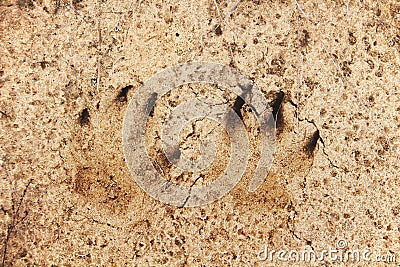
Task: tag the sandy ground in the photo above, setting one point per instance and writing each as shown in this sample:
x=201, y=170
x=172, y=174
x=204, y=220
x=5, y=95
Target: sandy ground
x=69, y=69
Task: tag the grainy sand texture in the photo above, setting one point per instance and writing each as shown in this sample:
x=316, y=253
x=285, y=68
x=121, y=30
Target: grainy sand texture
x=329, y=70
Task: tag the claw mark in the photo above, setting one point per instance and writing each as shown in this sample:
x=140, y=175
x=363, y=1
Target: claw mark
x=277, y=111
x=237, y=106
x=276, y=106
x=312, y=143
x=122, y=96
x=84, y=118
x=150, y=104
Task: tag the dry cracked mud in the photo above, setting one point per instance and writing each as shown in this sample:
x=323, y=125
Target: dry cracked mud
x=68, y=70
